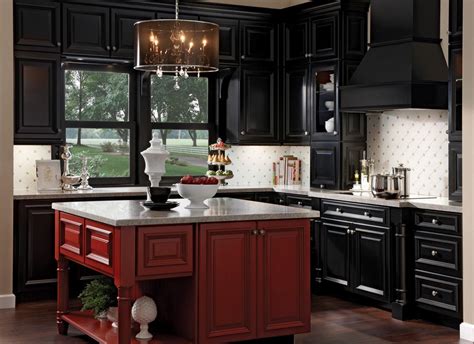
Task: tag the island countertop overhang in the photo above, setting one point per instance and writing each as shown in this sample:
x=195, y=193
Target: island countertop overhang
x=133, y=213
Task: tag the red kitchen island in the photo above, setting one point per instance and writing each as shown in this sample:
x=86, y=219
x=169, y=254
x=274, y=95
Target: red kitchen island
x=238, y=271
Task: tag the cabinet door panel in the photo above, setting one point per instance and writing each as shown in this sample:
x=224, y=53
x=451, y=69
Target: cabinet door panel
x=325, y=164
x=335, y=253
x=455, y=94
x=37, y=25
x=296, y=105
x=324, y=39
x=283, y=279
x=258, y=114
x=38, y=83
x=296, y=41
x=455, y=171
x=355, y=35
x=258, y=42
x=352, y=153
x=370, y=271
x=123, y=30
x=86, y=30
x=227, y=282
x=229, y=51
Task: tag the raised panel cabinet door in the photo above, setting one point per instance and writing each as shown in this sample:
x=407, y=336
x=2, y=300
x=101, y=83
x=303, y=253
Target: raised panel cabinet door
x=325, y=165
x=296, y=105
x=355, y=35
x=38, y=83
x=229, y=47
x=324, y=36
x=37, y=25
x=34, y=252
x=370, y=262
x=227, y=282
x=335, y=253
x=70, y=234
x=258, y=118
x=283, y=278
x=455, y=171
x=258, y=42
x=86, y=30
x=123, y=30
x=98, y=246
x=455, y=93
x=296, y=41
x=352, y=154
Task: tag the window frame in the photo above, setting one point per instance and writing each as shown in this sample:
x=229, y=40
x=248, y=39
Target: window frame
x=131, y=124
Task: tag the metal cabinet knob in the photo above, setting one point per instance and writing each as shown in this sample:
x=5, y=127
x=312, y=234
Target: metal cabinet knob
x=338, y=210
x=353, y=232
x=306, y=133
x=335, y=133
x=107, y=47
x=434, y=253
x=300, y=203
x=281, y=201
x=114, y=48
x=435, y=222
x=348, y=231
x=434, y=293
x=242, y=57
x=262, y=232
x=58, y=44
x=242, y=133
x=255, y=232
x=366, y=213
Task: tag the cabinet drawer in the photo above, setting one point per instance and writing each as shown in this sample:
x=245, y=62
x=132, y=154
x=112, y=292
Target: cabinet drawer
x=439, y=222
x=441, y=295
x=357, y=213
x=438, y=253
x=98, y=248
x=165, y=251
x=300, y=202
x=71, y=237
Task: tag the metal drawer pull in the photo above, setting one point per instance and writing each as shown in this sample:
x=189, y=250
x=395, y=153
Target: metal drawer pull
x=366, y=213
x=435, y=222
x=434, y=293
x=262, y=232
x=348, y=231
x=338, y=210
x=300, y=203
x=434, y=253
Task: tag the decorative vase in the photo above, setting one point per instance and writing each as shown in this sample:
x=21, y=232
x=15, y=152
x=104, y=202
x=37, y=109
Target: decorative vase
x=155, y=157
x=112, y=316
x=144, y=311
x=329, y=125
x=101, y=316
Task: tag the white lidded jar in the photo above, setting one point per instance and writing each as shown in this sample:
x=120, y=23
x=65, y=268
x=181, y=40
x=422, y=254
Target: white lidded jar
x=155, y=158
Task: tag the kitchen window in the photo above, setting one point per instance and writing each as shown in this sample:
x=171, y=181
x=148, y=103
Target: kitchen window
x=99, y=121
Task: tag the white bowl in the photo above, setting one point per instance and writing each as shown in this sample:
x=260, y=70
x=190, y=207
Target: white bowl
x=329, y=105
x=329, y=125
x=197, y=194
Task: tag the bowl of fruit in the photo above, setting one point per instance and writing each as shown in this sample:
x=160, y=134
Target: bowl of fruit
x=197, y=190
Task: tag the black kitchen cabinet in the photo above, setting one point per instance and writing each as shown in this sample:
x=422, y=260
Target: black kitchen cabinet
x=455, y=19
x=37, y=108
x=37, y=26
x=296, y=41
x=325, y=165
x=352, y=154
x=258, y=42
x=354, y=26
x=123, y=30
x=325, y=36
x=324, y=102
x=296, y=120
x=335, y=253
x=455, y=89
x=86, y=30
x=229, y=35
x=455, y=171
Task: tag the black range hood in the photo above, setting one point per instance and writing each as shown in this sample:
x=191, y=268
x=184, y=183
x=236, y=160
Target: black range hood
x=405, y=66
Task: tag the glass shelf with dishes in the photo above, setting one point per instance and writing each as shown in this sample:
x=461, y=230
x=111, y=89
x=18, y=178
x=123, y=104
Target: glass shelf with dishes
x=324, y=101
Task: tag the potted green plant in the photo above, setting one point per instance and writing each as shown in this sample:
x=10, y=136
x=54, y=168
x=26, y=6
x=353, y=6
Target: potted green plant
x=98, y=296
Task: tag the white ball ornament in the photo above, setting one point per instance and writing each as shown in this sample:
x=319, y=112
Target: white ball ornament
x=144, y=311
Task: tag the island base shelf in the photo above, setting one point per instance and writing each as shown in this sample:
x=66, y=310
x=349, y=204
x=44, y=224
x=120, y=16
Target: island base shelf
x=103, y=332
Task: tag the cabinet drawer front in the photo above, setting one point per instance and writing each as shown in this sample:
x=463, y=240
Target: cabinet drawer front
x=439, y=222
x=165, y=251
x=441, y=296
x=71, y=237
x=99, y=246
x=357, y=213
x=300, y=202
x=438, y=253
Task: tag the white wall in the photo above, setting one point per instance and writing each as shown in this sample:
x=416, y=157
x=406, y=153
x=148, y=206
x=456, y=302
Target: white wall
x=7, y=300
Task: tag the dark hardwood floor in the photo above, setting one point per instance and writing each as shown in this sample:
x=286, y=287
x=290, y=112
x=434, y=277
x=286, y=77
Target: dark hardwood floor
x=333, y=321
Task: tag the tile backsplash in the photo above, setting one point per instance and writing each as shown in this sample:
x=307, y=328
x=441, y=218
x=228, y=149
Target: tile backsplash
x=24, y=165
x=252, y=165
x=416, y=138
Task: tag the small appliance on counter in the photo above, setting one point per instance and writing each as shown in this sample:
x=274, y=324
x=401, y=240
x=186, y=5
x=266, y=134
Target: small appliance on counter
x=404, y=173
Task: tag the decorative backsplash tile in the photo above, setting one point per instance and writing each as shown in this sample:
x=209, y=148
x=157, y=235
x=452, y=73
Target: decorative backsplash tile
x=416, y=138
x=24, y=165
x=252, y=165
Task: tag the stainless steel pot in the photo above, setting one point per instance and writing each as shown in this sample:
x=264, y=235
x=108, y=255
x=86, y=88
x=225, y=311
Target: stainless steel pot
x=385, y=185
x=404, y=173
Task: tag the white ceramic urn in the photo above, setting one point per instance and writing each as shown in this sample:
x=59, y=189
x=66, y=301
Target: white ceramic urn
x=155, y=157
x=144, y=311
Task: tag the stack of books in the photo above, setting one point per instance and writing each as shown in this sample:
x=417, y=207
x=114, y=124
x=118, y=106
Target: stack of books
x=287, y=171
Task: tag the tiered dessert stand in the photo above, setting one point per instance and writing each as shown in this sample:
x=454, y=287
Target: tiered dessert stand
x=217, y=157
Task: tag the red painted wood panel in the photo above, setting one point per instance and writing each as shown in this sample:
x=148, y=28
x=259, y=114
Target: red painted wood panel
x=227, y=282
x=284, y=297
x=98, y=248
x=165, y=251
x=71, y=237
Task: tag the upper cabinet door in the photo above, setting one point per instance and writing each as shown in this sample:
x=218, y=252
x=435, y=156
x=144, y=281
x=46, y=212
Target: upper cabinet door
x=296, y=41
x=258, y=43
x=355, y=35
x=455, y=17
x=86, y=30
x=37, y=26
x=324, y=37
x=325, y=165
x=229, y=51
x=455, y=89
x=123, y=30
x=296, y=119
x=37, y=85
x=258, y=118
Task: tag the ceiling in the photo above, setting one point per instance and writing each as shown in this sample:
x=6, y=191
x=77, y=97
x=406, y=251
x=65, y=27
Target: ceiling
x=260, y=3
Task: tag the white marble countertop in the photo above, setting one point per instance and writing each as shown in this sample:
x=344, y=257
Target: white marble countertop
x=133, y=213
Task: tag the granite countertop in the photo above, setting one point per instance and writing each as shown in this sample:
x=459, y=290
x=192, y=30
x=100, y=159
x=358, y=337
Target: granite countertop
x=133, y=213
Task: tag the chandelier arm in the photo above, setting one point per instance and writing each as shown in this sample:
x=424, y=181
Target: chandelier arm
x=176, y=9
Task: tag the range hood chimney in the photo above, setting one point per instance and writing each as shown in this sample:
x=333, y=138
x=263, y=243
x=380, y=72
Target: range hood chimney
x=405, y=66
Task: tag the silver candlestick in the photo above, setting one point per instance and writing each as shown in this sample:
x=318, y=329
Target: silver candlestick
x=68, y=179
x=85, y=176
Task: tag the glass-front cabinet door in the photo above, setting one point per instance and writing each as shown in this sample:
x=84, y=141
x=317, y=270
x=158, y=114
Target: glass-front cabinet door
x=324, y=102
